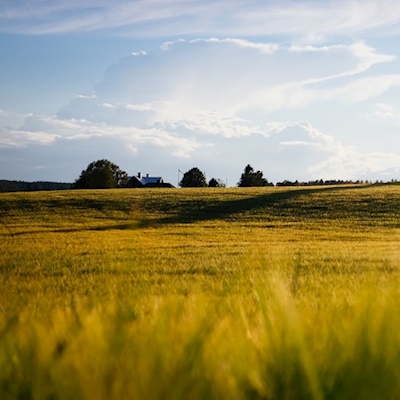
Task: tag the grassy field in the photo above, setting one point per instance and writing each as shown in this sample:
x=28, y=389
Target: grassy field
x=267, y=293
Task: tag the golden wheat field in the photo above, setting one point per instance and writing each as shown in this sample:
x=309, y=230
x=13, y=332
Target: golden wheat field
x=253, y=293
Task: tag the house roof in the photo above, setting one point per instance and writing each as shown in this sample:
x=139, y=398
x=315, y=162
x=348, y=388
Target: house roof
x=151, y=179
x=145, y=180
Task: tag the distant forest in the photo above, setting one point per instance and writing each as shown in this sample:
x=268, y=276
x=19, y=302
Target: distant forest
x=20, y=186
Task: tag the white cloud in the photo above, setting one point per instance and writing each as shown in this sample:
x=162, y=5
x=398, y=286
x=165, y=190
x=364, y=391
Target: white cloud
x=139, y=53
x=386, y=118
x=108, y=105
x=386, y=111
x=141, y=107
x=347, y=61
x=296, y=143
x=350, y=164
x=131, y=107
x=308, y=154
x=302, y=18
x=35, y=129
x=363, y=89
x=284, y=150
x=167, y=45
x=286, y=79
x=267, y=48
x=212, y=94
x=225, y=102
x=212, y=123
x=365, y=56
x=316, y=19
x=19, y=138
x=85, y=96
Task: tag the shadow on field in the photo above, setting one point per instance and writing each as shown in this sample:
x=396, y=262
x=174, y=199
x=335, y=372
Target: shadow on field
x=278, y=202
x=192, y=211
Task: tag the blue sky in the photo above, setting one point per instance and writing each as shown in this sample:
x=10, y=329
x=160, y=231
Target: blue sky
x=298, y=89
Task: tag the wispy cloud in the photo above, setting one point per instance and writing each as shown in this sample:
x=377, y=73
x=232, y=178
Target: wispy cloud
x=365, y=56
x=212, y=123
x=46, y=129
x=141, y=107
x=131, y=107
x=267, y=48
x=20, y=138
x=85, y=96
x=139, y=53
x=258, y=80
x=386, y=111
x=108, y=105
x=304, y=18
x=363, y=88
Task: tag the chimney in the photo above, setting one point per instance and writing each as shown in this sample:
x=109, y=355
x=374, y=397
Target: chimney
x=139, y=175
x=147, y=175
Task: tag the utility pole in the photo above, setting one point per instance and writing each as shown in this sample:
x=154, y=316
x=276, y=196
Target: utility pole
x=179, y=172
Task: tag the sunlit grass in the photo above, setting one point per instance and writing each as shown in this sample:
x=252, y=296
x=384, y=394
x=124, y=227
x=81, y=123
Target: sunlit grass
x=269, y=293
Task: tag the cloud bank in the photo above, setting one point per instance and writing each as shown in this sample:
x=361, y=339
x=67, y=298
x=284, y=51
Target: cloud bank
x=219, y=103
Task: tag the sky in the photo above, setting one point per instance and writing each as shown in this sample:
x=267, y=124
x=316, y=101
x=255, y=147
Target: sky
x=299, y=89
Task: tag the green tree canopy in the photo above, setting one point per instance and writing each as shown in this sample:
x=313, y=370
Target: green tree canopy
x=193, y=178
x=216, y=183
x=101, y=174
x=252, y=178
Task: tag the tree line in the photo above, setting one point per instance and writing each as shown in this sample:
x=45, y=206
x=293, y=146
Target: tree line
x=21, y=186
x=195, y=178
x=103, y=174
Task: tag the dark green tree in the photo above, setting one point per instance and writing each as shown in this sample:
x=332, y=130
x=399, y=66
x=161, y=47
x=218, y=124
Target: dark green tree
x=252, y=178
x=216, y=183
x=101, y=174
x=193, y=178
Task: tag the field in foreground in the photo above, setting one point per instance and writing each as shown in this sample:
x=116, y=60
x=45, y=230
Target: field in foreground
x=272, y=293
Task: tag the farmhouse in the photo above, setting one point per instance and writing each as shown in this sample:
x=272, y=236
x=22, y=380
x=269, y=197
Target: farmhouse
x=148, y=181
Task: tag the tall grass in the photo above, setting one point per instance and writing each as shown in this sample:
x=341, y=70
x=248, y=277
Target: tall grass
x=200, y=294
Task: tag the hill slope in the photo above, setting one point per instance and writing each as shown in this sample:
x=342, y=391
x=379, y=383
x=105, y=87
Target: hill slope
x=363, y=205
x=268, y=293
